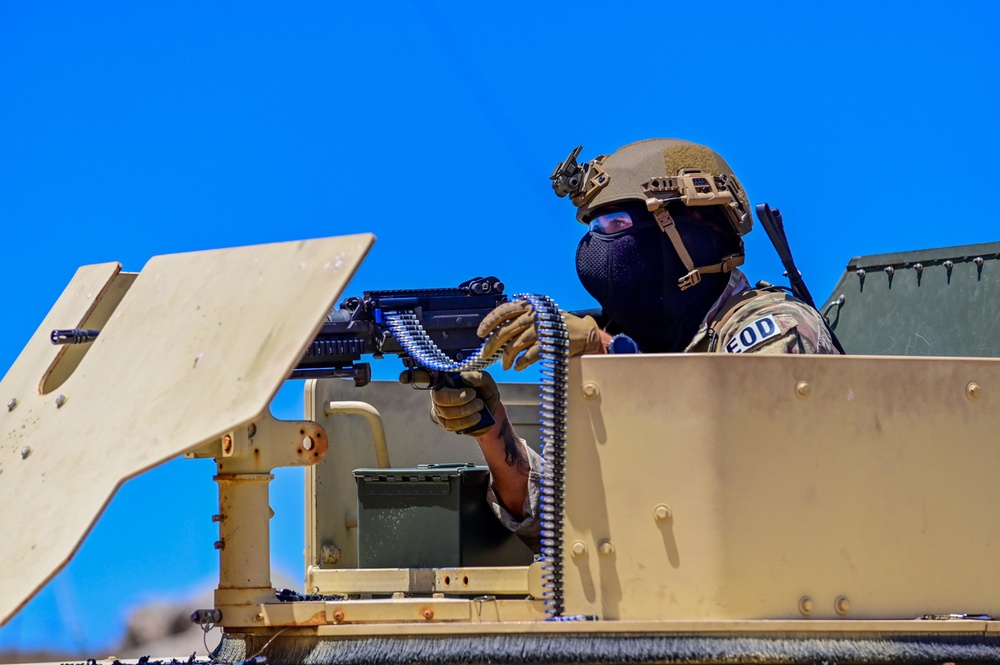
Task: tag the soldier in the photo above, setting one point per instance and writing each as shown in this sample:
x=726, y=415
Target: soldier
x=665, y=219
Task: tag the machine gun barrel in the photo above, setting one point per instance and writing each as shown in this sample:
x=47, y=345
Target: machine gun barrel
x=73, y=336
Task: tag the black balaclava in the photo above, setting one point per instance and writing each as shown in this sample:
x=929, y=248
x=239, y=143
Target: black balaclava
x=633, y=275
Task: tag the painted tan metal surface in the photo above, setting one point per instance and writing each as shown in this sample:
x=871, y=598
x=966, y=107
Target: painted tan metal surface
x=198, y=344
x=535, y=625
x=244, y=457
x=506, y=580
x=400, y=612
x=411, y=439
x=782, y=486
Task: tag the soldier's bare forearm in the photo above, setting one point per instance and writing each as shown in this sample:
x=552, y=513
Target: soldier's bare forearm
x=508, y=462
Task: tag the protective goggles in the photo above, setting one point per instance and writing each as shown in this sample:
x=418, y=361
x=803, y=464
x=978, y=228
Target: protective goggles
x=612, y=222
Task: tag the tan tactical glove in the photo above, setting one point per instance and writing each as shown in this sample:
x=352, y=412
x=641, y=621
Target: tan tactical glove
x=456, y=409
x=512, y=323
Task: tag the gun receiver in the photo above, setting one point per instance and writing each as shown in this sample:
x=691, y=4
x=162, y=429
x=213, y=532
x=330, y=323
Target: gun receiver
x=449, y=316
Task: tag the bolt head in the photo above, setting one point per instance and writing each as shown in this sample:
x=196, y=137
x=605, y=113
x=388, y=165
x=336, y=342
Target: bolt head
x=12, y=404
x=308, y=443
x=60, y=400
x=427, y=613
x=338, y=616
x=590, y=390
x=802, y=389
x=842, y=605
x=973, y=391
x=661, y=513
x=219, y=544
x=25, y=452
x=606, y=548
x=578, y=549
x=806, y=605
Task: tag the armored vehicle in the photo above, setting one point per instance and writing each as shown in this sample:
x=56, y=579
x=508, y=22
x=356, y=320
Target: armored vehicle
x=703, y=508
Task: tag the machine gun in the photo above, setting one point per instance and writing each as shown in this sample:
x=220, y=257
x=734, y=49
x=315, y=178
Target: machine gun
x=360, y=326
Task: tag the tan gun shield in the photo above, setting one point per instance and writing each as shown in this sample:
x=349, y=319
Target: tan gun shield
x=196, y=345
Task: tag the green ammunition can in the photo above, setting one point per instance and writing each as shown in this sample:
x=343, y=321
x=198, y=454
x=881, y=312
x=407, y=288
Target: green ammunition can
x=433, y=516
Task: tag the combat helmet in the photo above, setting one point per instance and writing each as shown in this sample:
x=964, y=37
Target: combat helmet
x=655, y=172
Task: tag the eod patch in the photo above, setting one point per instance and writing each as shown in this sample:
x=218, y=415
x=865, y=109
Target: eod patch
x=753, y=334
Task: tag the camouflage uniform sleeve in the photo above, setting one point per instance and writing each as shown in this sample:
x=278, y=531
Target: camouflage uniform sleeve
x=527, y=529
x=776, y=323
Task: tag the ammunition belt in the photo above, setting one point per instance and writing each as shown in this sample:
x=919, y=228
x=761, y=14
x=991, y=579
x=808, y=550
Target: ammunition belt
x=554, y=344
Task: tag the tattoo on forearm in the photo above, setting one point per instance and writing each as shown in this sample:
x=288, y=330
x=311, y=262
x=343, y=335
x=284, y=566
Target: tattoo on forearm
x=513, y=453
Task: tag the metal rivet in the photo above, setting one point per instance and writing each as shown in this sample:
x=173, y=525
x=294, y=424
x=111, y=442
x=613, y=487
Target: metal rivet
x=578, y=549
x=973, y=390
x=25, y=451
x=427, y=613
x=227, y=444
x=919, y=267
x=978, y=261
x=590, y=390
x=606, y=548
x=806, y=605
x=60, y=401
x=661, y=513
x=842, y=605
x=308, y=443
x=12, y=404
x=338, y=616
x=802, y=389
x=890, y=271
x=260, y=616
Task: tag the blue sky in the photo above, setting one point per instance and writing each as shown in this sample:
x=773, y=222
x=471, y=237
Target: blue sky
x=129, y=130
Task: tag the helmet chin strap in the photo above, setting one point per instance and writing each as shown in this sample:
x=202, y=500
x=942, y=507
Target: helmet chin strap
x=693, y=276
